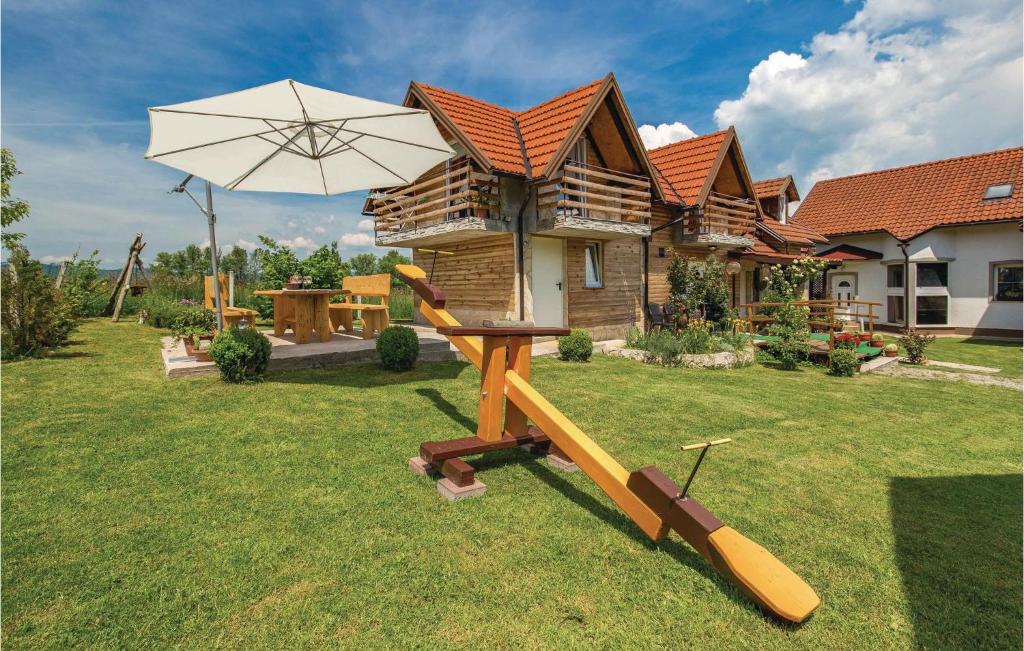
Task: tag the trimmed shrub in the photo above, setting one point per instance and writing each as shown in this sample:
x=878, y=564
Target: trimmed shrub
x=577, y=346
x=844, y=362
x=915, y=344
x=398, y=348
x=241, y=354
x=695, y=339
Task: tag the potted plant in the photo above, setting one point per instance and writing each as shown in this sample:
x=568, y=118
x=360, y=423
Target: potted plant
x=915, y=343
x=877, y=340
x=193, y=327
x=863, y=337
x=891, y=350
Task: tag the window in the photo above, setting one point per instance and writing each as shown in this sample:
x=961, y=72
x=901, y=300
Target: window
x=894, y=276
x=998, y=191
x=932, y=310
x=592, y=266
x=932, y=274
x=894, y=309
x=1007, y=281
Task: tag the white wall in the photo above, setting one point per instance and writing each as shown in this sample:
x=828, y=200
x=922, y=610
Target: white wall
x=969, y=250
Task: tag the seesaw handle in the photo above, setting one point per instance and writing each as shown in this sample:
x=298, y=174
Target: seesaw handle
x=708, y=444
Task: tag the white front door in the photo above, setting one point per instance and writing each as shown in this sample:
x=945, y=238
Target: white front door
x=548, y=281
x=844, y=286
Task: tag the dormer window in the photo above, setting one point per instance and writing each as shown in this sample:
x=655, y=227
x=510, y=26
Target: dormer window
x=998, y=191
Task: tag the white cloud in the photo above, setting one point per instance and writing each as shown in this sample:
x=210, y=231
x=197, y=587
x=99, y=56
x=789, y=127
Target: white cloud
x=245, y=244
x=902, y=82
x=664, y=134
x=356, y=239
x=365, y=225
x=319, y=230
x=299, y=242
x=53, y=259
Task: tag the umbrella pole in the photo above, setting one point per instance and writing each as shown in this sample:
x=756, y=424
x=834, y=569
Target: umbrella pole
x=211, y=219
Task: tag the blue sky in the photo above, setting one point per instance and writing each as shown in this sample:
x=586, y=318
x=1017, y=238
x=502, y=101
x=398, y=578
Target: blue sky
x=815, y=89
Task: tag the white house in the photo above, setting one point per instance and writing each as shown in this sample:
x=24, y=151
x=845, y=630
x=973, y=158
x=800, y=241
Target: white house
x=938, y=244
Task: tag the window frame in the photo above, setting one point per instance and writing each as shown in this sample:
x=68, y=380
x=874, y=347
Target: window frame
x=917, y=309
x=993, y=268
x=931, y=288
x=598, y=265
x=1008, y=195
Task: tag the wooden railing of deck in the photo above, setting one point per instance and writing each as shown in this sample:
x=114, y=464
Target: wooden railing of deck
x=593, y=192
x=828, y=314
x=459, y=191
x=724, y=215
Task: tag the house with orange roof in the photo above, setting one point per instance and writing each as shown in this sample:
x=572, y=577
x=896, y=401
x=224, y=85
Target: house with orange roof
x=558, y=215
x=938, y=244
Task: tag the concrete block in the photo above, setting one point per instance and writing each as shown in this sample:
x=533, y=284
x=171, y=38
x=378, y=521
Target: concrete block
x=421, y=467
x=562, y=464
x=453, y=493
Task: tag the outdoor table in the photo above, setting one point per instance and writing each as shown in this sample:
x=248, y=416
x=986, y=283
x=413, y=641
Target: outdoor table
x=305, y=309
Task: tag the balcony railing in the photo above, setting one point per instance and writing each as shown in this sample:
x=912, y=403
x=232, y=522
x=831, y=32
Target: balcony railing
x=592, y=192
x=723, y=215
x=458, y=192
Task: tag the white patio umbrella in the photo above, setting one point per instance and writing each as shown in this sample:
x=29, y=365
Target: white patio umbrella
x=290, y=137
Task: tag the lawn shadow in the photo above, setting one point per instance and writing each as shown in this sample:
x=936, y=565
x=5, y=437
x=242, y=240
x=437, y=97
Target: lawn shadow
x=958, y=548
x=367, y=376
x=678, y=550
x=992, y=342
x=448, y=409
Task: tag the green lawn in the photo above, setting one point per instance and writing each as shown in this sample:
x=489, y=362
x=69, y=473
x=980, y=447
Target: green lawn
x=145, y=512
x=1004, y=355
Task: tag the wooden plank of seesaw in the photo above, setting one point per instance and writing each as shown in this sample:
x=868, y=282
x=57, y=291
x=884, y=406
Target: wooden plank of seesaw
x=605, y=471
x=471, y=347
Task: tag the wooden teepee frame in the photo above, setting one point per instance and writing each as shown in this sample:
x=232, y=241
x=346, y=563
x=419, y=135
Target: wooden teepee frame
x=123, y=283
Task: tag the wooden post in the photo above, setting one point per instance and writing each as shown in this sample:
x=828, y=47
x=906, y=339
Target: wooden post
x=125, y=284
x=124, y=276
x=519, y=354
x=60, y=273
x=492, y=389
x=871, y=319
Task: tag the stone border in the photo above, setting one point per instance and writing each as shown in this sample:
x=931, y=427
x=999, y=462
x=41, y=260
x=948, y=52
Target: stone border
x=710, y=360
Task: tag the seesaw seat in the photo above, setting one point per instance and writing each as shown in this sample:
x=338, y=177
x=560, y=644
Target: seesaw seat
x=764, y=578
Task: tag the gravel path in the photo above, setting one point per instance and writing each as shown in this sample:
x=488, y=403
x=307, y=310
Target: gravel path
x=902, y=370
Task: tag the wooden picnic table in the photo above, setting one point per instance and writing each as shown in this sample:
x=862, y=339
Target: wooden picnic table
x=304, y=310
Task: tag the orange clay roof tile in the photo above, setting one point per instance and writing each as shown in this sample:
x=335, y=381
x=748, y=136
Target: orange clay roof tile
x=773, y=187
x=683, y=166
x=793, y=232
x=907, y=201
x=492, y=128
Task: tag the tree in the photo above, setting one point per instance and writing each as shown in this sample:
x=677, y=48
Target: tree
x=386, y=265
x=277, y=263
x=33, y=313
x=11, y=210
x=237, y=261
x=325, y=267
x=700, y=287
x=191, y=262
x=363, y=264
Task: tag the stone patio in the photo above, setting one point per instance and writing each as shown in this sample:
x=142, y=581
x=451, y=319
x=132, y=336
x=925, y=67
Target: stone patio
x=344, y=349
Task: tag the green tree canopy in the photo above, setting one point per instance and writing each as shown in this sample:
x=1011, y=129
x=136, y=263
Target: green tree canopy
x=363, y=264
x=387, y=262
x=11, y=210
x=325, y=267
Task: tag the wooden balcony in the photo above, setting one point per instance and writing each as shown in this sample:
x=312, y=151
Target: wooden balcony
x=440, y=206
x=725, y=221
x=591, y=201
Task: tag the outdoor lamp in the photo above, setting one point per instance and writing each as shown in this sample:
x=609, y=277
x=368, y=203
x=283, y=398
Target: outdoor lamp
x=732, y=268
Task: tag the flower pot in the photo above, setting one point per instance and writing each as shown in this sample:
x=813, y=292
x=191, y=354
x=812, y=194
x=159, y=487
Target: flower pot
x=199, y=354
x=863, y=338
x=892, y=353
x=878, y=344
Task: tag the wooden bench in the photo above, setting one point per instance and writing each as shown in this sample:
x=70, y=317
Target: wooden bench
x=232, y=315
x=375, y=317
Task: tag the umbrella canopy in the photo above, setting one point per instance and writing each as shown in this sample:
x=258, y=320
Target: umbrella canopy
x=290, y=137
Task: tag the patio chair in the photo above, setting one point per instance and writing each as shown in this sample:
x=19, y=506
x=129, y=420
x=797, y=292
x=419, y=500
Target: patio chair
x=671, y=316
x=232, y=315
x=375, y=317
x=657, y=318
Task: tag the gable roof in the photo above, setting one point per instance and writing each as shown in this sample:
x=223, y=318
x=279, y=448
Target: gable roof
x=850, y=252
x=775, y=187
x=791, y=233
x=685, y=166
x=524, y=142
x=908, y=201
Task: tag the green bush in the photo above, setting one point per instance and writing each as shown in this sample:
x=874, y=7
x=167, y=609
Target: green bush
x=663, y=347
x=398, y=347
x=34, y=314
x=791, y=329
x=160, y=311
x=844, y=362
x=194, y=322
x=915, y=344
x=577, y=346
x=636, y=338
x=241, y=354
x=696, y=338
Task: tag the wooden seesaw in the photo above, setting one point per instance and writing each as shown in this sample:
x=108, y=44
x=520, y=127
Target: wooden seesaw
x=652, y=500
